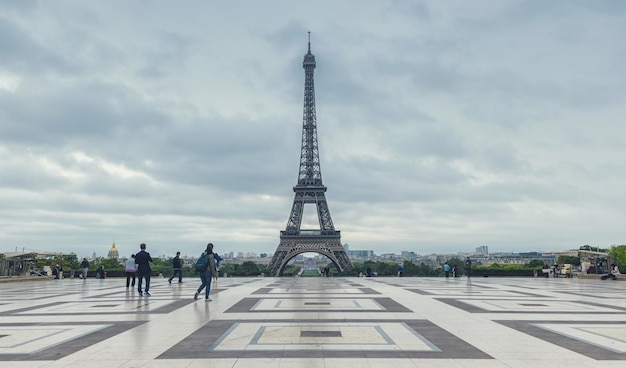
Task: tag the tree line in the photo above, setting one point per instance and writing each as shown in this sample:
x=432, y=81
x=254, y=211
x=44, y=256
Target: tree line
x=69, y=263
x=115, y=268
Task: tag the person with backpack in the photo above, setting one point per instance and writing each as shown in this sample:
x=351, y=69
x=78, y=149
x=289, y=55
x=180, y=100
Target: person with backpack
x=206, y=268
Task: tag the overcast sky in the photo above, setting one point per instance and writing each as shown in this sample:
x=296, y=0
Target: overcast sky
x=442, y=125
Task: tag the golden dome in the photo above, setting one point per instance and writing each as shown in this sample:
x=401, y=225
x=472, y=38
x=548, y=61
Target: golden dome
x=113, y=252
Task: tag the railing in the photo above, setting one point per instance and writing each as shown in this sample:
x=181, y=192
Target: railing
x=310, y=233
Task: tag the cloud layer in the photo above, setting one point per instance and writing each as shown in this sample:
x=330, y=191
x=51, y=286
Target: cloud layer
x=442, y=125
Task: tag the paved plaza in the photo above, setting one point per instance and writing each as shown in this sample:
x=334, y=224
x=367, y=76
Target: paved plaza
x=315, y=322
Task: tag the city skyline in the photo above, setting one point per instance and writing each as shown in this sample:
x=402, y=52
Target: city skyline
x=105, y=252
x=443, y=126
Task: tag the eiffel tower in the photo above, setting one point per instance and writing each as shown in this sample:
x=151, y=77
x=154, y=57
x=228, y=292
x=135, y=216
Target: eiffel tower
x=294, y=240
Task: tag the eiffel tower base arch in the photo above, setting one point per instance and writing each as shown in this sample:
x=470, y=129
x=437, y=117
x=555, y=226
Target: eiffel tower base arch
x=292, y=245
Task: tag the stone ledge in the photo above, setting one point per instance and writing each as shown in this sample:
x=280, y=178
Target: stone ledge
x=23, y=278
x=596, y=276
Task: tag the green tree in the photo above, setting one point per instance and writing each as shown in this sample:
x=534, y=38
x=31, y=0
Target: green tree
x=459, y=263
x=385, y=268
x=425, y=270
x=291, y=270
x=409, y=268
x=249, y=268
x=110, y=264
x=161, y=266
x=227, y=269
x=71, y=260
x=568, y=260
x=618, y=253
x=66, y=262
x=354, y=271
x=535, y=263
x=112, y=267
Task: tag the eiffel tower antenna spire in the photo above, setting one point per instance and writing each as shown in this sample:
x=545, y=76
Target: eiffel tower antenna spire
x=309, y=190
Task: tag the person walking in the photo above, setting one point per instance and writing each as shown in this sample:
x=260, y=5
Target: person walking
x=468, y=266
x=85, y=266
x=142, y=260
x=177, y=269
x=130, y=271
x=218, y=259
x=446, y=269
x=206, y=268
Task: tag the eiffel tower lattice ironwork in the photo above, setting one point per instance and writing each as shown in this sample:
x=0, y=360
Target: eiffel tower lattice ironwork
x=309, y=190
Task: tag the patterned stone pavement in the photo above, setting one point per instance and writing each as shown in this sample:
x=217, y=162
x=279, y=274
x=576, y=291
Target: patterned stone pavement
x=315, y=322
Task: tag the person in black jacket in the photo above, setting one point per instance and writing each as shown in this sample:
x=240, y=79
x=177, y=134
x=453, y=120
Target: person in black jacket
x=101, y=273
x=142, y=260
x=177, y=269
x=85, y=266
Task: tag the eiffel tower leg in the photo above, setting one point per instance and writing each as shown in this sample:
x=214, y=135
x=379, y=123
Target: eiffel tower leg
x=276, y=266
x=292, y=245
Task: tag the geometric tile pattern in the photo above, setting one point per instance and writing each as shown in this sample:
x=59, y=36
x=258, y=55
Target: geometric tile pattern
x=32, y=339
x=305, y=304
x=49, y=341
x=529, y=306
x=95, y=307
x=599, y=340
x=315, y=322
x=328, y=336
x=315, y=339
x=608, y=336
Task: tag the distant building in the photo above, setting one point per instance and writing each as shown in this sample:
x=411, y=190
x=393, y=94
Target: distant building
x=483, y=250
x=360, y=254
x=22, y=263
x=113, y=253
x=515, y=258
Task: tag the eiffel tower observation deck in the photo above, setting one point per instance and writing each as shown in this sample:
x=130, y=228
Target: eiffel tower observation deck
x=324, y=240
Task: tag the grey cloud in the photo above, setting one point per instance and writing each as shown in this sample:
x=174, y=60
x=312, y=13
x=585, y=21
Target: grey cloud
x=66, y=115
x=450, y=124
x=20, y=52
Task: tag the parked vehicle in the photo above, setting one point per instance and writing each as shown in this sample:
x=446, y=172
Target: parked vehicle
x=566, y=270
